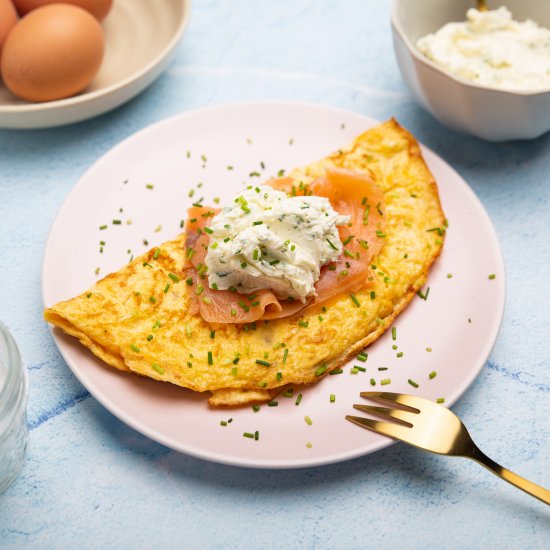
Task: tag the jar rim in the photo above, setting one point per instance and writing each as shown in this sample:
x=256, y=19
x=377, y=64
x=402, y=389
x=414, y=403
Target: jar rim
x=15, y=370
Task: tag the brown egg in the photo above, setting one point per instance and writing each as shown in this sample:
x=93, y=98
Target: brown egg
x=8, y=19
x=98, y=8
x=52, y=53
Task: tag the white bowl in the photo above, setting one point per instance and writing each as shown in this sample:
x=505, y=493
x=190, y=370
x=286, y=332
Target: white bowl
x=140, y=38
x=489, y=113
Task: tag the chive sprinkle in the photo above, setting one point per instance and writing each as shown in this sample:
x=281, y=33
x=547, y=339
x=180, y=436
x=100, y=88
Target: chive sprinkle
x=372, y=382
x=135, y=348
x=355, y=300
x=412, y=383
x=304, y=324
x=166, y=288
x=256, y=435
x=249, y=435
x=432, y=374
x=285, y=355
x=336, y=371
x=332, y=245
x=263, y=363
x=298, y=399
x=308, y=420
x=273, y=404
x=394, y=333
x=255, y=408
x=289, y=392
x=210, y=361
x=102, y=227
x=492, y=276
x=440, y=400
x=400, y=354
x=332, y=398
x=385, y=381
x=320, y=370
x=362, y=369
x=363, y=357
x=158, y=368
x=174, y=277
x=423, y=295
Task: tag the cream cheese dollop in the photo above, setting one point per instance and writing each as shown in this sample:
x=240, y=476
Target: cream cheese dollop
x=268, y=240
x=493, y=50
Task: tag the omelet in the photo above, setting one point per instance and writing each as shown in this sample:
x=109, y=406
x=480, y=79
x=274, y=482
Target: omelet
x=143, y=318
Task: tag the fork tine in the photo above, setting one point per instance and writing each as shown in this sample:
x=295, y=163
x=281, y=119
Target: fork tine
x=396, y=431
x=396, y=415
x=406, y=402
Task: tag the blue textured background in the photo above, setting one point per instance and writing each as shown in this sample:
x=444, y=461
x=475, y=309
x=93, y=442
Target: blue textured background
x=91, y=481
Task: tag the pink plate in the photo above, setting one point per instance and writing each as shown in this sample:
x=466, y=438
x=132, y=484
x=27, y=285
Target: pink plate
x=459, y=322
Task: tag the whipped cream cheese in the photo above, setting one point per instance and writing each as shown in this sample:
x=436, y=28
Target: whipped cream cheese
x=266, y=239
x=492, y=49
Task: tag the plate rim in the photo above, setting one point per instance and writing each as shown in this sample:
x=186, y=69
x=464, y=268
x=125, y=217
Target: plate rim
x=249, y=462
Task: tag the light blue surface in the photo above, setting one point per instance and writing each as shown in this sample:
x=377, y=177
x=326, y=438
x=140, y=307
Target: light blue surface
x=93, y=482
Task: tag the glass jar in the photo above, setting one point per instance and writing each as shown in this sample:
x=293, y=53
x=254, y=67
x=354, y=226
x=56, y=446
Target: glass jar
x=13, y=409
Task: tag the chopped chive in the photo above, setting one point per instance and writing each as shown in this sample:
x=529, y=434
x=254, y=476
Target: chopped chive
x=89, y=295
x=199, y=290
x=150, y=337
x=166, y=288
x=304, y=324
x=353, y=370
x=223, y=423
x=102, y=227
x=285, y=355
x=308, y=420
x=380, y=234
x=190, y=253
x=208, y=230
x=233, y=312
x=298, y=399
x=320, y=370
x=372, y=382
x=174, y=277
x=262, y=384
x=336, y=371
x=385, y=381
x=158, y=368
x=152, y=299
x=188, y=330
x=135, y=348
x=372, y=295
x=423, y=295
x=382, y=368
x=355, y=300
x=366, y=215
x=189, y=281
x=331, y=244
x=279, y=376
x=399, y=354
x=394, y=333
x=362, y=369
x=263, y=363
x=349, y=254
x=255, y=408
x=348, y=239
x=249, y=435
x=289, y=392
x=363, y=357
x=257, y=223
x=210, y=361
x=256, y=435
x=440, y=400
x=332, y=398
x=234, y=371
x=432, y=374
x=272, y=403
x=492, y=276
x=212, y=334
x=117, y=222
x=412, y=383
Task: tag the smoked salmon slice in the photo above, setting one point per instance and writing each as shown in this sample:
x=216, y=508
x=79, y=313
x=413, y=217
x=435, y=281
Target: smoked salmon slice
x=349, y=193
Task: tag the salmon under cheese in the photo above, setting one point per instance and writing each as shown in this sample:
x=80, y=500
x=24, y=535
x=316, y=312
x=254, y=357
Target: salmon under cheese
x=350, y=193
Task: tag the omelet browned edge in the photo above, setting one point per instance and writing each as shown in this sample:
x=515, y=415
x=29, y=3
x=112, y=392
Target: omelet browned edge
x=130, y=321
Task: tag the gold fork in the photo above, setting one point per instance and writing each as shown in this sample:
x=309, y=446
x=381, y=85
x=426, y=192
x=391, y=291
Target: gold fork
x=434, y=428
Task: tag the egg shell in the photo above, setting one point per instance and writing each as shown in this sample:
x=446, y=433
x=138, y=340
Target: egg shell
x=52, y=53
x=98, y=8
x=8, y=19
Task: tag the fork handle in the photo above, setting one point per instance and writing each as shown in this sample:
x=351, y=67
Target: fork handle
x=520, y=482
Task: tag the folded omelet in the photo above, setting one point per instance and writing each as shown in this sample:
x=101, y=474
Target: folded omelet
x=141, y=319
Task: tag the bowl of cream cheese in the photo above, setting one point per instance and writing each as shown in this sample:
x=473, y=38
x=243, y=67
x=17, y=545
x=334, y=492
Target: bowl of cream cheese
x=486, y=73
